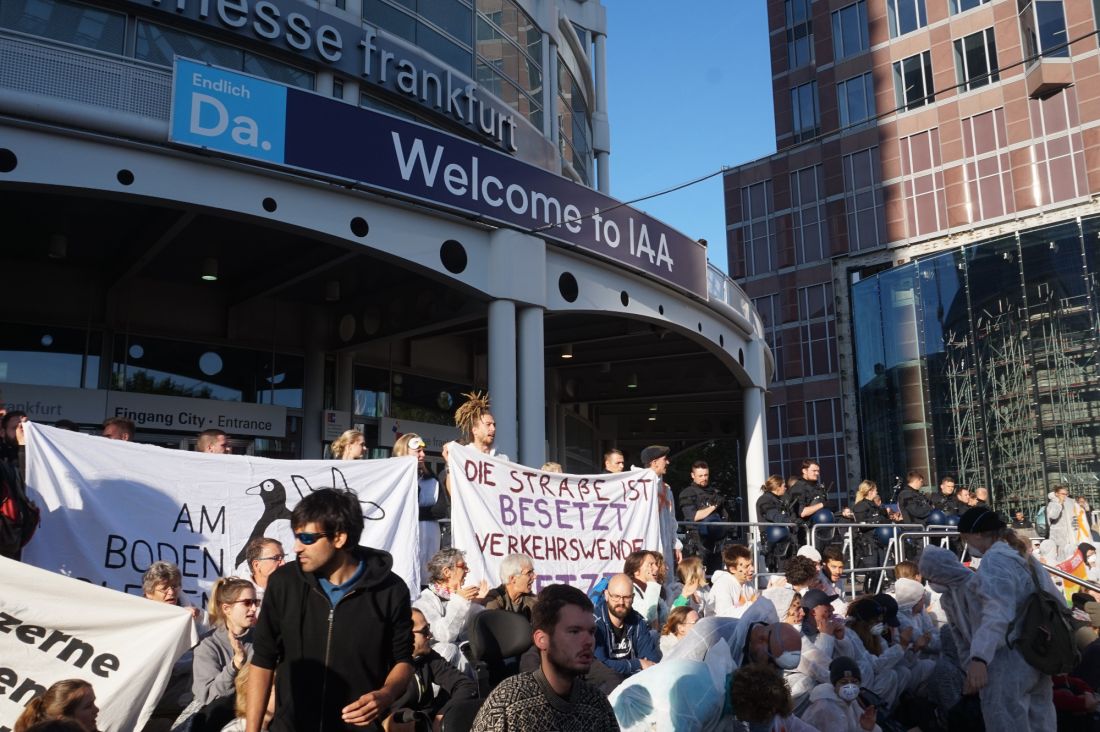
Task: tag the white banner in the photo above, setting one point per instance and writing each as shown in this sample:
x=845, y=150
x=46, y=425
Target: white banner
x=54, y=628
x=111, y=508
x=576, y=528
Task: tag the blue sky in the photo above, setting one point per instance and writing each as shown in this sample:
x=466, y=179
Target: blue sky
x=689, y=90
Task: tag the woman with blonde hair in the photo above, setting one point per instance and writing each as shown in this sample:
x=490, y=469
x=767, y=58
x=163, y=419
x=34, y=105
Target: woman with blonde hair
x=349, y=446
x=868, y=513
x=693, y=575
x=680, y=620
x=222, y=654
x=72, y=699
x=428, y=498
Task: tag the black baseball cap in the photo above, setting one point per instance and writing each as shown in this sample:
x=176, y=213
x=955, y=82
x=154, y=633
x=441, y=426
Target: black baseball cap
x=979, y=519
x=843, y=667
x=653, y=452
x=813, y=598
x=889, y=609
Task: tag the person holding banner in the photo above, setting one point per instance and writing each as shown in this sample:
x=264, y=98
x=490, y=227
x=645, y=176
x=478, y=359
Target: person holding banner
x=71, y=699
x=411, y=443
x=222, y=654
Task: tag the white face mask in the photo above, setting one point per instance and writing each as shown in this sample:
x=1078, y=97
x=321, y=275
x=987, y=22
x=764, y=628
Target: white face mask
x=788, y=660
x=1092, y=560
x=849, y=692
x=877, y=629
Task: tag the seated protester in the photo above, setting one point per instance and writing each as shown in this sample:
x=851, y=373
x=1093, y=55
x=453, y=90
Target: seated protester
x=835, y=706
x=694, y=590
x=882, y=666
x=225, y=651
x=761, y=701
x=810, y=553
x=623, y=640
x=920, y=668
x=733, y=589
x=263, y=556
x=448, y=605
x=1089, y=668
x=788, y=604
x=802, y=574
x=1092, y=561
x=555, y=697
x=71, y=699
x=436, y=685
x=162, y=583
x=1076, y=704
x=641, y=567
x=910, y=597
x=61, y=724
x=832, y=576
x=517, y=575
x=680, y=620
x=823, y=639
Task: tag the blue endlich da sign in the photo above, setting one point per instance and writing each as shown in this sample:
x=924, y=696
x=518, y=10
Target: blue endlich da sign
x=244, y=116
x=229, y=112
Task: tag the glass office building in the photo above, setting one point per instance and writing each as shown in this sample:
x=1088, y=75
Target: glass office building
x=981, y=362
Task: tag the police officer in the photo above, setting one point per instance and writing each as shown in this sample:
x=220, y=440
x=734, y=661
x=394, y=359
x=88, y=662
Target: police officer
x=807, y=497
x=945, y=499
x=869, y=514
x=912, y=502
x=772, y=508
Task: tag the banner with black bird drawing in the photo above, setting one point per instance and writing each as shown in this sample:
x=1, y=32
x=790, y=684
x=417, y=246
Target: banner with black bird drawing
x=111, y=508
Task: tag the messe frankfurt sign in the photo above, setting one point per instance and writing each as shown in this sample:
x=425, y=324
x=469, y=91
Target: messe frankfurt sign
x=244, y=116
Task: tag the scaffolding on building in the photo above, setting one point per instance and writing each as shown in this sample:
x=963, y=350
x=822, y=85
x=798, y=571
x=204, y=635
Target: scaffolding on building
x=1022, y=399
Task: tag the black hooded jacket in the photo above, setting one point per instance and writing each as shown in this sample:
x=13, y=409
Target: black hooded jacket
x=326, y=657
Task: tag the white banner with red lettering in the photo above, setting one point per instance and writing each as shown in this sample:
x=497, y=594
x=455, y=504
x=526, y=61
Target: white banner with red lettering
x=54, y=628
x=576, y=528
x=112, y=508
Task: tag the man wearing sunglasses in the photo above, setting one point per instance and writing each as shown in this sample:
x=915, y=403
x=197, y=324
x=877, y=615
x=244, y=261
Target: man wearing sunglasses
x=336, y=629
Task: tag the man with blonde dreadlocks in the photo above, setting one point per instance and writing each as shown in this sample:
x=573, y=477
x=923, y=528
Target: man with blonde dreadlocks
x=478, y=430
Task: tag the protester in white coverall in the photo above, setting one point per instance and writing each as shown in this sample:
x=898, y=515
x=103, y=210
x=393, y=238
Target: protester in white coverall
x=835, y=706
x=1015, y=695
x=1062, y=519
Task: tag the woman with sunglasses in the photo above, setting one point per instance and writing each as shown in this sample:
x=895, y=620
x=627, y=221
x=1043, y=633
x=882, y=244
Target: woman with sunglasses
x=233, y=611
x=413, y=444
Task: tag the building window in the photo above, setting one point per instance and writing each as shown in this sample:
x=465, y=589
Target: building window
x=819, y=348
x=443, y=28
x=806, y=117
x=856, y=99
x=808, y=222
x=826, y=444
x=800, y=36
x=913, y=81
x=759, y=230
x=769, y=308
x=905, y=16
x=574, y=128
x=988, y=169
x=976, y=60
x=509, y=57
x=815, y=301
x=961, y=6
x=1058, y=163
x=1043, y=26
x=338, y=88
x=923, y=186
x=863, y=200
x=850, y=30
x=67, y=22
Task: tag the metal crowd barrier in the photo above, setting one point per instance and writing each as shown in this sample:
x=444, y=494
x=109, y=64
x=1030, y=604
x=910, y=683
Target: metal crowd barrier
x=755, y=538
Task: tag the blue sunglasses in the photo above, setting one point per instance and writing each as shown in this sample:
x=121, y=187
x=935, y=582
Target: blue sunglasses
x=307, y=537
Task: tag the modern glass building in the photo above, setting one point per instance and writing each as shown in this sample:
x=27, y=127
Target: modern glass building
x=984, y=362
x=285, y=218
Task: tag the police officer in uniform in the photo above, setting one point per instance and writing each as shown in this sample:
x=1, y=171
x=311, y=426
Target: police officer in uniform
x=869, y=553
x=806, y=497
x=945, y=499
x=772, y=508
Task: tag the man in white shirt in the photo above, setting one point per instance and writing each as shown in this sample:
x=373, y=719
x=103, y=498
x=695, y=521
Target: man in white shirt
x=733, y=589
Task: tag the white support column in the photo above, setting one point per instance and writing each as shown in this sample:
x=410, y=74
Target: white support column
x=502, y=374
x=601, y=130
x=532, y=387
x=756, y=445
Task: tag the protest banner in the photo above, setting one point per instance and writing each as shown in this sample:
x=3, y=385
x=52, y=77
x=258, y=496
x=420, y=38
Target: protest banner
x=112, y=508
x=54, y=628
x=576, y=528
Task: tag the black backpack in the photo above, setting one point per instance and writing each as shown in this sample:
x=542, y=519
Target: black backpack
x=1045, y=635
x=18, y=515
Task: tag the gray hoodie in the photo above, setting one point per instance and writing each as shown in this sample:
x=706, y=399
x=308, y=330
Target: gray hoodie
x=213, y=674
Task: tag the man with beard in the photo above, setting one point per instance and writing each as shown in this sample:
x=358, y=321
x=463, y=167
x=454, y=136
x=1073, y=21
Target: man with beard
x=623, y=641
x=554, y=697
